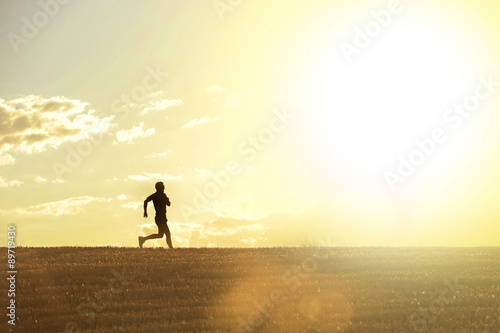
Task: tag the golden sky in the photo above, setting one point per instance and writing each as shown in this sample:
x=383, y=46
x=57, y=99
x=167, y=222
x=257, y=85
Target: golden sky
x=270, y=122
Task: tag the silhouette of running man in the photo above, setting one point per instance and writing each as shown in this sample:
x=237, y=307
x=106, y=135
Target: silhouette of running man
x=160, y=202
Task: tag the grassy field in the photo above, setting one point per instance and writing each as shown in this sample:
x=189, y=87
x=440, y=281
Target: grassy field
x=306, y=289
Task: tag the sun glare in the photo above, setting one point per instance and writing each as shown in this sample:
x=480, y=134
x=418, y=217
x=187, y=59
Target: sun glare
x=363, y=114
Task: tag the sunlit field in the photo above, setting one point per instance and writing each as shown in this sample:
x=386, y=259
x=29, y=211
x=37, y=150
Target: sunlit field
x=305, y=289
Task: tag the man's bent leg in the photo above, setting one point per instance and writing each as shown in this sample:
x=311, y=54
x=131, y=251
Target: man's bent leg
x=152, y=236
x=160, y=233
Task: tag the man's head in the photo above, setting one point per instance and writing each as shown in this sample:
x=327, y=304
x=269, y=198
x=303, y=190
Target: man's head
x=160, y=187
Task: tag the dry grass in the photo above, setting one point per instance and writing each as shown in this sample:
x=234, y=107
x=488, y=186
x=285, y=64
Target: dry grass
x=221, y=290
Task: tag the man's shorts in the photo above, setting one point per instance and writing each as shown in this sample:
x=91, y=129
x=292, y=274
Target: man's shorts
x=161, y=222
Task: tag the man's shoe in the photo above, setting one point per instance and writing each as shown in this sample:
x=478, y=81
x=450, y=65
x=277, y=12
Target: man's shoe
x=141, y=241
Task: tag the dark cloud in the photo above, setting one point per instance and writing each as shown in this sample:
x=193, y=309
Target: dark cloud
x=62, y=131
x=21, y=123
x=32, y=138
x=33, y=123
x=56, y=106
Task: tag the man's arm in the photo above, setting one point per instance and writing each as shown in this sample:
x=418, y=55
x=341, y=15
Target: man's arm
x=148, y=199
x=168, y=201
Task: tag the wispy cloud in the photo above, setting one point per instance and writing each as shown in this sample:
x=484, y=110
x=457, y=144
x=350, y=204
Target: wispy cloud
x=152, y=102
x=196, y=122
x=4, y=183
x=161, y=105
x=235, y=99
x=203, y=173
x=152, y=176
x=39, y=179
x=128, y=136
x=132, y=205
x=62, y=207
x=121, y=197
x=214, y=89
x=6, y=159
x=157, y=155
x=223, y=232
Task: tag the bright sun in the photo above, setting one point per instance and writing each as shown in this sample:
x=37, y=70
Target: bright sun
x=362, y=115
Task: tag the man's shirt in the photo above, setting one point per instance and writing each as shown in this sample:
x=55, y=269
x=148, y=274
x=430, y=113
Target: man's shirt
x=160, y=201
